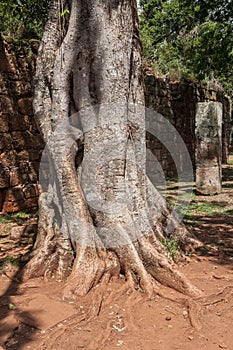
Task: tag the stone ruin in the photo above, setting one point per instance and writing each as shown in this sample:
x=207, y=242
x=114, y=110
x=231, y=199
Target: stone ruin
x=20, y=141
x=21, y=144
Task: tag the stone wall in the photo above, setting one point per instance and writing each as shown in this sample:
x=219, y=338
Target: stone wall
x=177, y=102
x=20, y=142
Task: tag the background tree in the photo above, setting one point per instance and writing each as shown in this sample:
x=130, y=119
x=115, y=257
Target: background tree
x=88, y=103
x=189, y=38
x=23, y=18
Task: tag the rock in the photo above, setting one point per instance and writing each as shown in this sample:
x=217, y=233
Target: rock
x=168, y=318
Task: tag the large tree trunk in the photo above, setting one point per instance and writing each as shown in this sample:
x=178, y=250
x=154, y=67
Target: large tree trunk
x=89, y=106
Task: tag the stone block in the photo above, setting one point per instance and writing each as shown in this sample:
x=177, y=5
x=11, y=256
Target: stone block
x=14, y=194
x=23, y=156
x=2, y=196
x=30, y=191
x=31, y=203
x=20, y=88
x=18, y=122
x=25, y=105
x=8, y=159
x=5, y=105
x=26, y=140
x=5, y=141
x=18, y=175
x=19, y=139
x=34, y=171
x=35, y=155
x=4, y=127
x=11, y=207
x=4, y=177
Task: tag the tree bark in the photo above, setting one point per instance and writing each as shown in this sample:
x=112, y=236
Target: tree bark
x=99, y=214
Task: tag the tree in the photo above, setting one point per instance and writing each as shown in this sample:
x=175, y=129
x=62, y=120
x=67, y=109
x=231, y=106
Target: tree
x=23, y=18
x=191, y=37
x=99, y=204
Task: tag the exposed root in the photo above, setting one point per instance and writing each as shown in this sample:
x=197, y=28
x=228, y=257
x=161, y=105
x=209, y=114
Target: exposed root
x=217, y=298
x=98, y=311
x=90, y=267
x=193, y=312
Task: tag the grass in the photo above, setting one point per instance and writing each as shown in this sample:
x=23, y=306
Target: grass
x=196, y=208
x=19, y=217
x=172, y=246
x=7, y=260
x=137, y=276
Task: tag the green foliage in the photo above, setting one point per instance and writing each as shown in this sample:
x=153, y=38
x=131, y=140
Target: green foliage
x=7, y=260
x=189, y=39
x=18, y=218
x=172, y=246
x=23, y=18
x=11, y=306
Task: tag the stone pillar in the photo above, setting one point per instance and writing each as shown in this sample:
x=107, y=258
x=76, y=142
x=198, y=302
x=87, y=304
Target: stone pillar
x=208, y=155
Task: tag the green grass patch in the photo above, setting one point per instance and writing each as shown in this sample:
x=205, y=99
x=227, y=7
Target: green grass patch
x=171, y=245
x=8, y=260
x=18, y=218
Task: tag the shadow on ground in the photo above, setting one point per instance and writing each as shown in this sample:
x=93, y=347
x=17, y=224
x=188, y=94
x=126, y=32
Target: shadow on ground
x=15, y=332
x=16, y=239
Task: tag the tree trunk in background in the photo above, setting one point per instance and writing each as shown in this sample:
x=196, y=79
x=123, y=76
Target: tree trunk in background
x=99, y=214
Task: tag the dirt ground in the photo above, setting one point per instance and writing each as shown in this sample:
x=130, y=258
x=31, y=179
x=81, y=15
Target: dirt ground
x=33, y=314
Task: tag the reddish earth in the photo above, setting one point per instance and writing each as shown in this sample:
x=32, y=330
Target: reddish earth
x=34, y=316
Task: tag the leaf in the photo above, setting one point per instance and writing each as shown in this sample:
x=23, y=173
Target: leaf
x=12, y=306
x=65, y=12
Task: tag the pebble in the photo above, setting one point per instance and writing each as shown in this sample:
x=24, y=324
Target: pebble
x=190, y=337
x=168, y=318
x=222, y=346
x=120, y=342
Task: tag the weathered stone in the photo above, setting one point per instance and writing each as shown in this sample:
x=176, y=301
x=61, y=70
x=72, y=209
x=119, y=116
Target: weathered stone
x=31, y=203
x=17, y=176
x=11, y=207
x=14, y=206
x=19, y=139
x=5, y=64
x=208, y=153
x=25, y=105
x=14, y=194
x=34, y=171
x=18, y=123
x=4, y=177
x=19, y=205
x=30, y=191
x=5, y=141
x=26, y=140
x=5, y=105
x=18, y=88
x=4, y=127
x=35, y=155
x=2, y=198
x=23, y=155
x=8, y=159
